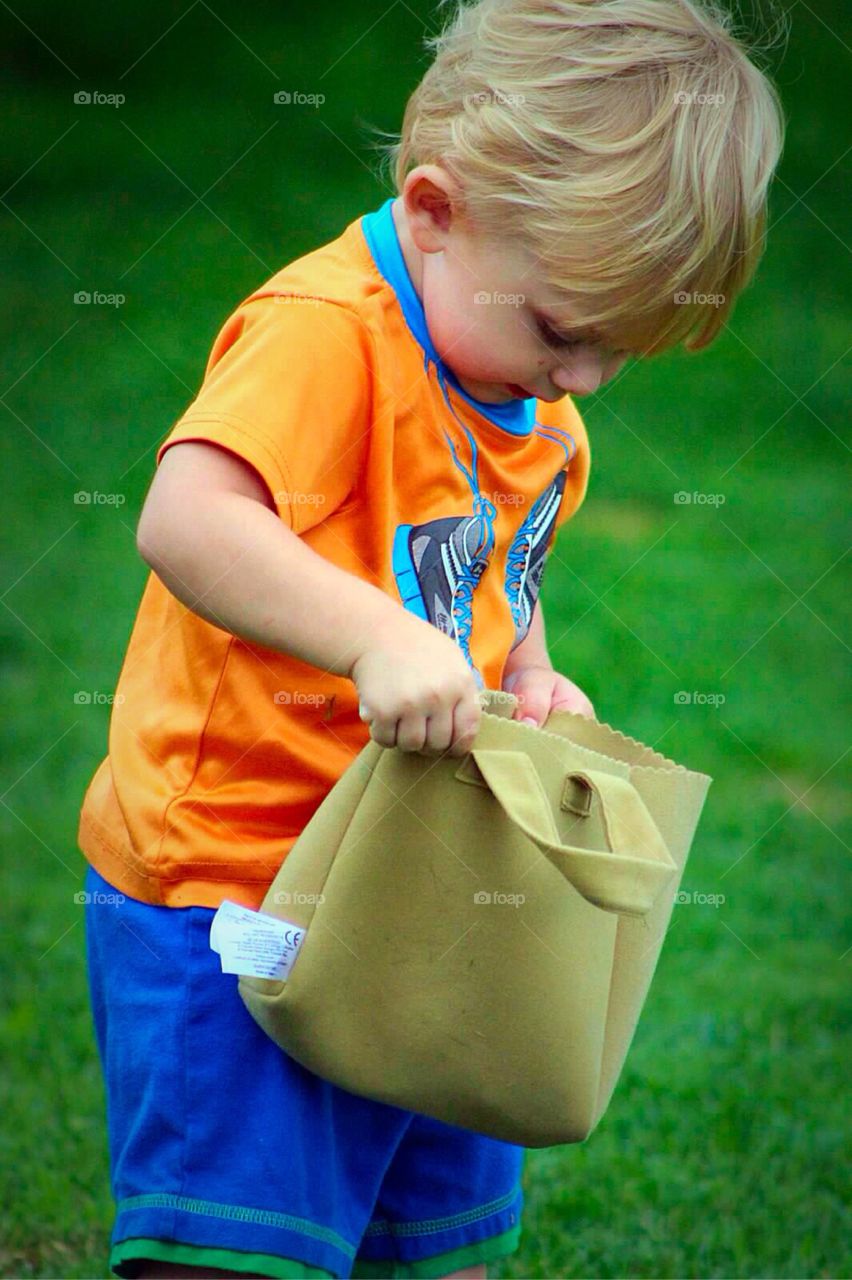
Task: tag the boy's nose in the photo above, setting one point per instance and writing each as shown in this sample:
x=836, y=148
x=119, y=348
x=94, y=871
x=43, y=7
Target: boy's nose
x=587, y=370
x=580, y=378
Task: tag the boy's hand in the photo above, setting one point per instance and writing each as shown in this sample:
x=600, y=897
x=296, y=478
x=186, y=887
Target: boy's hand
x=541, y=690
x=416, y=689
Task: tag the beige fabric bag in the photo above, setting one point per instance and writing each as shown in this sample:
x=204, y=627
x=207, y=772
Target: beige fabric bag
x=482, y=930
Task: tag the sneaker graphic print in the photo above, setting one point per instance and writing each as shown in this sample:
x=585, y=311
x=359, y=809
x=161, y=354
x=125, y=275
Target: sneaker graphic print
x=439, y=564
x=527, y=555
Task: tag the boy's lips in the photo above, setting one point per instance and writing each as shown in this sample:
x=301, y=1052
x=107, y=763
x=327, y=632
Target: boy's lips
x=521, y=392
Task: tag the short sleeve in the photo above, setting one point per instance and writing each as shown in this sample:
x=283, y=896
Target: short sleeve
x=289, y=388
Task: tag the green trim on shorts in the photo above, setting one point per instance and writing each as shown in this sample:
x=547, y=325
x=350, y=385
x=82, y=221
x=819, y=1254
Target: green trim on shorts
x=127, y=1254
x=440, y=1264
x=427, y=1226
x=125, y=1257
x=235, y=1213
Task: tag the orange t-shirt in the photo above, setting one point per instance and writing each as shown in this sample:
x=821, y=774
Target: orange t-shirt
x=326, y=381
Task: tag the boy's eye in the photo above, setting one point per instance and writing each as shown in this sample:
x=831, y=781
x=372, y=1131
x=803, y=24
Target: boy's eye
x=558, y=340
x=555, y=339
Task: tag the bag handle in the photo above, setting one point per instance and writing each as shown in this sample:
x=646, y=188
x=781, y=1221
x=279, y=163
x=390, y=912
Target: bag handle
x=628, y=878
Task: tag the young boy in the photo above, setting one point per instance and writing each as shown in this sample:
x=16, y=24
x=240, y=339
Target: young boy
x=347, y=530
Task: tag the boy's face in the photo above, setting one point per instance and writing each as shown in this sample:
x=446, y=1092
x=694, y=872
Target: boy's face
x=487, y=308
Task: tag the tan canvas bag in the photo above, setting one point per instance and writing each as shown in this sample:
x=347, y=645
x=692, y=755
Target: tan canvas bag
x=482, y=930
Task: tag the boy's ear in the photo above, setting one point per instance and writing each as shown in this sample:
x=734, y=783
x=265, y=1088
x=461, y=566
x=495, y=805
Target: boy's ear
x=431, y=198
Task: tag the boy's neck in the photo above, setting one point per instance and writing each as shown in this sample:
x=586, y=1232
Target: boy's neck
x=411, y=254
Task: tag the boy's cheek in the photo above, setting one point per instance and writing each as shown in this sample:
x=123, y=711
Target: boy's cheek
x=475, y=353
x=456, y=343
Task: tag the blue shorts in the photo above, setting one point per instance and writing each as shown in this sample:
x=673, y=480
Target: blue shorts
x=225, y=1152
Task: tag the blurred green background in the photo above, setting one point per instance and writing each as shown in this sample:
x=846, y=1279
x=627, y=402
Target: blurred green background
x=722, y=1151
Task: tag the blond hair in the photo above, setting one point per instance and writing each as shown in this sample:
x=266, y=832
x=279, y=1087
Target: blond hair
x=627, y=144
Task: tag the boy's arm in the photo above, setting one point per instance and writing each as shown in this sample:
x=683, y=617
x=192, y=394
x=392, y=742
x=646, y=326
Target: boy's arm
x=531, y=677
x=532, y=651
x=210, y=532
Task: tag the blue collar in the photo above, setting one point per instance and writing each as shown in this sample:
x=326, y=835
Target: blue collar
x=515, y=416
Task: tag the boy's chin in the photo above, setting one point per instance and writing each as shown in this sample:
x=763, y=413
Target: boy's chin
x=488, y=392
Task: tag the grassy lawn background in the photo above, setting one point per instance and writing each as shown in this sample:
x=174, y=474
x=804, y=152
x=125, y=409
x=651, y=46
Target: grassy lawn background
x=722, y=1151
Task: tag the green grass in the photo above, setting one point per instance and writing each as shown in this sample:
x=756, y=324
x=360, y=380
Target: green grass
x=722, y=1151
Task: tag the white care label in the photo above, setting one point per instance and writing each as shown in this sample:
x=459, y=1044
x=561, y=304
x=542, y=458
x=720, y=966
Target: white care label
x=253, y=944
